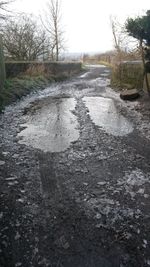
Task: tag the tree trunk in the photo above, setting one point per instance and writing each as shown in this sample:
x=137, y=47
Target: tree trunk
x=144, y=72
x=57, y=43
x=57, y=52
x=147, y=83
x=2, y=66
x=118, y=49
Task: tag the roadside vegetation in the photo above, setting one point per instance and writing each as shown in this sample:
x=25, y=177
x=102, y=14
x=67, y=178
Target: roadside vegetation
x=130, y=59
x=25, y=38
x=35, y=78
x=134, y=39
x=127, y=76
x=15, y=88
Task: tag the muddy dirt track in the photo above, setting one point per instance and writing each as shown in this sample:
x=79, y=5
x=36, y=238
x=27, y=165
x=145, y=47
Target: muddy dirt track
x=75, y=178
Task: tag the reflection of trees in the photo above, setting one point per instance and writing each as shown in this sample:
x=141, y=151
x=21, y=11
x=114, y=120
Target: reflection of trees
x=61, y=120
x=105, y=114
x=58, y=119
x=112, y=118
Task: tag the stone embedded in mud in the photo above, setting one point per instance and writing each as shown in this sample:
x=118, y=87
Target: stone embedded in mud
x=15, y=156
x=5, y=153
x=62, y=242
x=101, y=183
x=20, y=200
x=2, y=162
x=148, y=262
x=17, y=236
x=141, y=191
x=18, y=264
x=129, y=94
x=98, y=216
x=11, y=178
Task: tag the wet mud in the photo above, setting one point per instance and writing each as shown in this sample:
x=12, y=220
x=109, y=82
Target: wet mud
x=75, y=178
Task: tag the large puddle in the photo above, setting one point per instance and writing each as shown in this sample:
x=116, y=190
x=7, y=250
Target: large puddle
x=103, y=113
x=52, y=127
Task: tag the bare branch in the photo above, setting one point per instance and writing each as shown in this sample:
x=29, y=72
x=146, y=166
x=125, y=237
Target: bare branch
x=4, y=8
x=24, y=39
x=53, y=26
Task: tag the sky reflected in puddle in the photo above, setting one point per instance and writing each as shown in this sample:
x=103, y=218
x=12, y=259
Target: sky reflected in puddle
x=103, y=113
x=52, y=127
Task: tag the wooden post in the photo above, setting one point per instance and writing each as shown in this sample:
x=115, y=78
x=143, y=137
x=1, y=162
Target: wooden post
x=2, y=65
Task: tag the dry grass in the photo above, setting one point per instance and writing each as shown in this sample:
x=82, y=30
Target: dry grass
x=35, y=70
x=127, y=76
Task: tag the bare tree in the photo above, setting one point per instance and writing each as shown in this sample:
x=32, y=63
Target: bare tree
x=4, y=8
x=125, y=47
x=53, y=26
x=23, y=39
x=3, y=15
x=123, y=43
x=2, y=66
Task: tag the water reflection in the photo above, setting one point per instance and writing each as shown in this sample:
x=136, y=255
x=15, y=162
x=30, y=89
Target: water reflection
x=53, y=126
x=103, y=112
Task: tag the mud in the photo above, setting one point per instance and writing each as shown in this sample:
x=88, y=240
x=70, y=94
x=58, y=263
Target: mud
x=75, y=178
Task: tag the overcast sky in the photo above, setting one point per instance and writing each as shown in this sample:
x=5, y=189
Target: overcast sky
x=87, y=22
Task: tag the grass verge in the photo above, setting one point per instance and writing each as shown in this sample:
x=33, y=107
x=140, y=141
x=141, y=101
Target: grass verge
x=15, y=88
